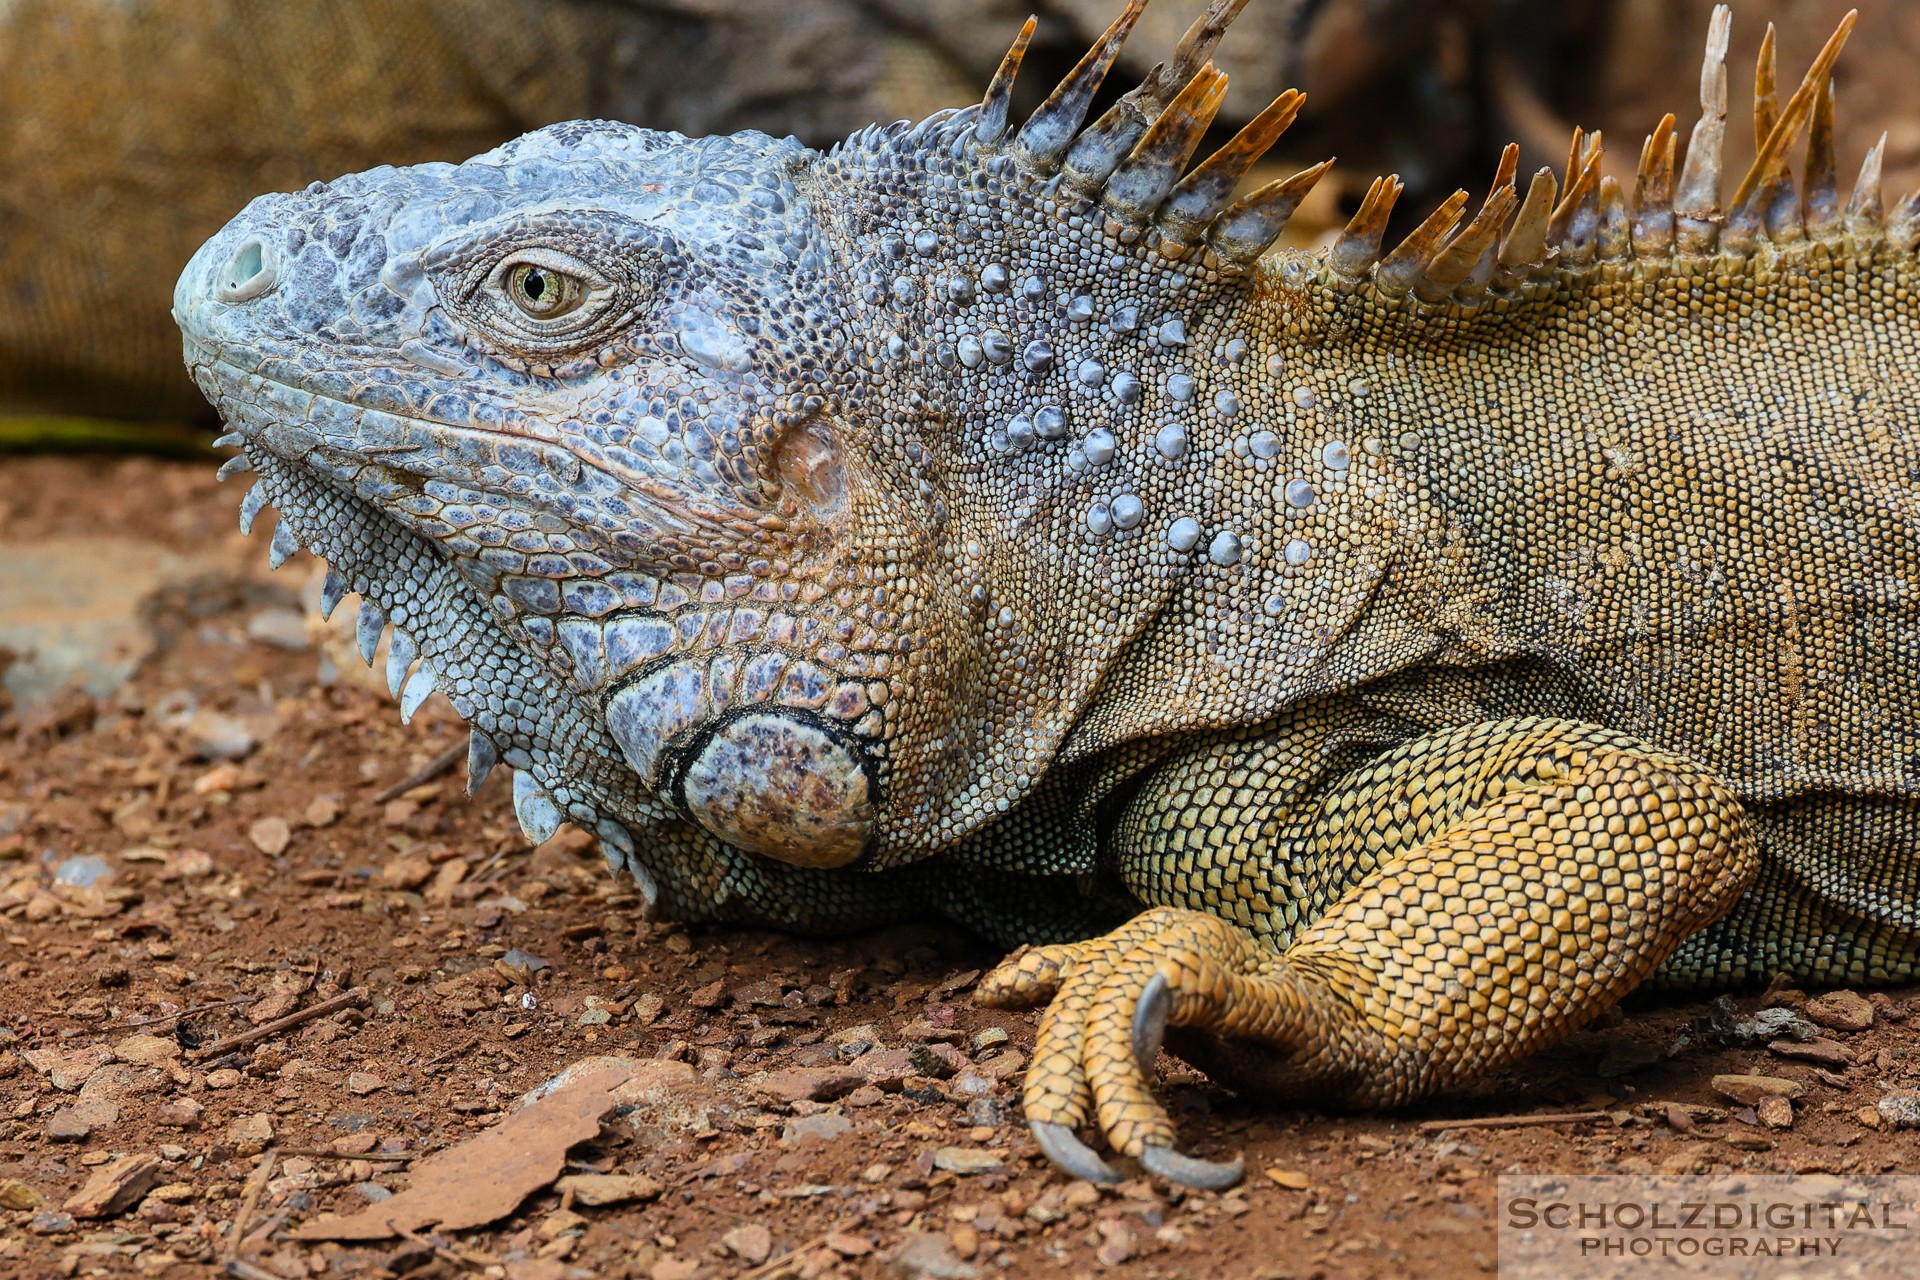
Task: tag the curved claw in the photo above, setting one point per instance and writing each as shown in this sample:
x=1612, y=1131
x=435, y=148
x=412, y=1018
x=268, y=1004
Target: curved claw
x=1201, y=1175
x=1150, y=1021
x=1070, y=1154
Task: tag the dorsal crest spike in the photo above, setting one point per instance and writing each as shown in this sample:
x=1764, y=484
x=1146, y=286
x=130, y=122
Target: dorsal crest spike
x=1750, y=200
x=1398, y=270
x=1652, y=211
x=1044, y=139
x=1866, y=210
x=1616, y=228
x=1698, y=198
x=1524, y=250
x=1143, y=179
x=1653, y=181
x=1766, y=90
x=1576, y=158
x=1100, y=147
x=1820, y=207
x=1200, y=197
x=1358, y=247
x=1457, y=259
x=1196, y=46
x=1582, y=188
x=1481, y=240
x=992, y=123
x=1903, y=224
x=1509, y=165
x=1250, y=225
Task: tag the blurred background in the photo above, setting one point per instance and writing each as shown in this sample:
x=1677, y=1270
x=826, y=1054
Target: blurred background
x=130, y=130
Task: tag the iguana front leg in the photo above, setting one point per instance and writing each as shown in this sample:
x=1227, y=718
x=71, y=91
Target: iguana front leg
x=1470, y=897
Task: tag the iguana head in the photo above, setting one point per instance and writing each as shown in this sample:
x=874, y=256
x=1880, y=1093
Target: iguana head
x=699, y=429
x=601, y=373
x=805, y=499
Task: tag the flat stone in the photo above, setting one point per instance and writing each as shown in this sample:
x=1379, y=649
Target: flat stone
x=967, y=1160
x=1828, y=1053
x=824, y=1127
x=1771, y=1024
x=280, y=628
x=67, y=1125
x=120, y=1081
x=809, y=1084
x=216, y=736
x=1749, y=1090
x=68, y=1069
x=270, y=835
x=1840, y=1010
x=929, y=1255
x=15, y=1194
x=250, y=1135
x=180, y=1113
x=595, y=1189
x=147, y=1051
x=750, y=1242
x=83, y=871
x=72, y=609
x=115, y=1187
x=886, y=1069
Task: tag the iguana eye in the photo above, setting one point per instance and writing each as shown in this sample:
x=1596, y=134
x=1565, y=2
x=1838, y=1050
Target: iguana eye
x=543, y=292
x=531, y=300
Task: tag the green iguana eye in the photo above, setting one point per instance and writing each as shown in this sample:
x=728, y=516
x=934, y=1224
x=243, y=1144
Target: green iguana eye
x=544, y=293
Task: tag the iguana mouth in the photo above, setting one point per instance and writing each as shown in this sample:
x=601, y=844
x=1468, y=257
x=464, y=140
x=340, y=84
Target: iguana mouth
x=430, y=615
x=754, y=741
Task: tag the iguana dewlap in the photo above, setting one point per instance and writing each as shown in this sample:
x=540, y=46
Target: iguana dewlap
x=1423, y=647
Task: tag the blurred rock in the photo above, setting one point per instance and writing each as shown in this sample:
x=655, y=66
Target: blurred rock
x=70, y=608
x=83, y=871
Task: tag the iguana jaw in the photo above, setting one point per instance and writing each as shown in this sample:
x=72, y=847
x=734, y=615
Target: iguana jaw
x=517, y=709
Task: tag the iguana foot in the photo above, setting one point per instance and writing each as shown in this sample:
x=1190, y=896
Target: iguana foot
x=1511, y=880
x=1109, y=1002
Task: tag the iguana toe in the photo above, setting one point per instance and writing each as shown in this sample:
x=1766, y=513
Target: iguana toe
x=1112, y=1000
x=1150, y=1020
x=1069, y=1154
x=1201, y=1175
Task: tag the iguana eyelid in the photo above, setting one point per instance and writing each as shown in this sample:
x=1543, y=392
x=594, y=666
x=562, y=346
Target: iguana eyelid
x=475, y=286
x=592, y=280
x=596, y=289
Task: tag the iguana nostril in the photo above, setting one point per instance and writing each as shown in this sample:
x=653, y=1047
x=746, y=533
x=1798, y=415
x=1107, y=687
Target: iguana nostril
x=247, y=274
x=784, y=787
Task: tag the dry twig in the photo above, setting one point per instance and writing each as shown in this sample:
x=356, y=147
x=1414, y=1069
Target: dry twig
x=267, y=1030
x=1514, y=1122
x=256, y=1186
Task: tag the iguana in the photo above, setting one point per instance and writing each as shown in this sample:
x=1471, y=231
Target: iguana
x=1386, y=658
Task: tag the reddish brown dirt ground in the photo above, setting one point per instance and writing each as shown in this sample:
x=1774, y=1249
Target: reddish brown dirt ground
x=241, y=890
